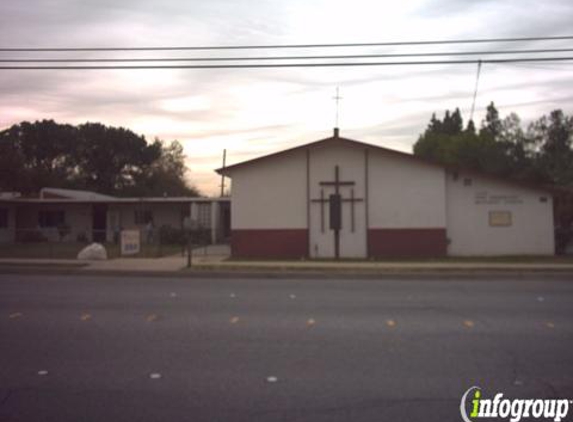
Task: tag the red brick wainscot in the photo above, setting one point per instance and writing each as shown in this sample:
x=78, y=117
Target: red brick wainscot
x=407, y=243
x=269, y=243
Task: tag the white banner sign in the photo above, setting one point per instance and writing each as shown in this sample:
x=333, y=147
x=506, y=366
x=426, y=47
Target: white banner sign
x=130, y=242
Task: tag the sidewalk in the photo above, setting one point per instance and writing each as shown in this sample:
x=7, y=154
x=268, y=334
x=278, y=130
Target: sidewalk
x=213, y=261
x=211, y=255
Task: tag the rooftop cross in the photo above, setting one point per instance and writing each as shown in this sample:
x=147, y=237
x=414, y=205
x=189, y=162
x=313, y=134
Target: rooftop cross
x=337, y=98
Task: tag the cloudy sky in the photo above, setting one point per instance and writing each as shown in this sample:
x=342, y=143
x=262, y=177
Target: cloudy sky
x=251, y=112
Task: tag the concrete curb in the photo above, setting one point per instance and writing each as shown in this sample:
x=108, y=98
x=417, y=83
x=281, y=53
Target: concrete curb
x=402, y=273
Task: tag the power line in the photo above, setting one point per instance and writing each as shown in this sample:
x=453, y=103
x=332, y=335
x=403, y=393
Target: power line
x=538, y=67
x=270, y=58
x=285, y=46
x=290, y=65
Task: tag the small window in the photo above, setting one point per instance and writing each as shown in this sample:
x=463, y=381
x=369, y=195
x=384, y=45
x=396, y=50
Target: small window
x=51, y=218
x=467, y=181
x=3, y=218
x=543, y=199
x=500, y=218
x=143, y=217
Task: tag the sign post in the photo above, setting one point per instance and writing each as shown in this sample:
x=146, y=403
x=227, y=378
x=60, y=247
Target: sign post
x=188, y=225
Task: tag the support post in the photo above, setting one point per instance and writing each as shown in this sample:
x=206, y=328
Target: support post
x=189, y=249
x=214, y=221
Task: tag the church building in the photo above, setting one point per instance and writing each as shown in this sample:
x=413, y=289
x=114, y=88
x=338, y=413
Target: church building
x=340, y=198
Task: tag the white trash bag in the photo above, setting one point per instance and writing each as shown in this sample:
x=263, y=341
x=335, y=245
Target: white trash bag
x=93, y=252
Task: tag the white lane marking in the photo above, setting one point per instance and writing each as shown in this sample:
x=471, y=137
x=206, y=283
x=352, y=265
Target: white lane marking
x=42, y=372
x=272, y=379
x=155, y=376
x=540, y=298
x=233, y=295
x=173, y=294
x=293, y=296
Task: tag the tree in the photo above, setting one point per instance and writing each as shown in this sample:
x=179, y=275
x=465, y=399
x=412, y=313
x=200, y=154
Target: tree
x=166, y=175
x=491, y=126
x=446, y=142
x=110, y=159
x=92, y=156
x=543, y=154
x=452, y=124
x=552, y=137
x=39, y=153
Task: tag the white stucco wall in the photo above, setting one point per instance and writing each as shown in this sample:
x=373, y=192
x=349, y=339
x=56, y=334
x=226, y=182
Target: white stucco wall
x=404, y=193
x=77, y=216
x=468, y=225
x=270, y=194
x=350, y=161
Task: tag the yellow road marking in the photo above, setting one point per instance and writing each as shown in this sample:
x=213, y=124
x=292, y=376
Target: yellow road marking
x=550, y=325
x=468, y=323
x=391, y=323
x=152, y=317
x=15, y=315
x=310, y=322
x=234, y=320
x=85, y=317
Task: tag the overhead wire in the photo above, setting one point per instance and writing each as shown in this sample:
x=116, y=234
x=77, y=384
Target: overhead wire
x=270, y=58
x=291, y=65
x=288, y=46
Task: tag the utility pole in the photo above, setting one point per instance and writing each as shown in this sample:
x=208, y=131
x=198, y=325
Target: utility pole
x=223, y=176
x=475, y=92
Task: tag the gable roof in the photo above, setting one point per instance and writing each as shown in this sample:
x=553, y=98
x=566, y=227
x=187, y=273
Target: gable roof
x=351, y=142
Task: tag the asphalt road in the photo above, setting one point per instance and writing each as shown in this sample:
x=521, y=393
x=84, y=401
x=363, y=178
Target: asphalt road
x=124, y=349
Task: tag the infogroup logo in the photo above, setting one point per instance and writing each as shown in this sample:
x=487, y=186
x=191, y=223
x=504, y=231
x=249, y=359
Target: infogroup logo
x=514, y=409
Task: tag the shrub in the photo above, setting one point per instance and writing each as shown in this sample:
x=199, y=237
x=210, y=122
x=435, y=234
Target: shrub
x=31, y=236
x=63, y=230
x=82, y=237
x=172, y=236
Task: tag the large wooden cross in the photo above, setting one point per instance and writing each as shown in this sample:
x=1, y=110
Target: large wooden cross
x=335, y=202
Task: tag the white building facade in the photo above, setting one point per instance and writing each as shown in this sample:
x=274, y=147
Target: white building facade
x=339, y=198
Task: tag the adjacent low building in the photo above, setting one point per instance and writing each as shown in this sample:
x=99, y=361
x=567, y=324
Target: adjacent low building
x=340, y=198
x=74, y=215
